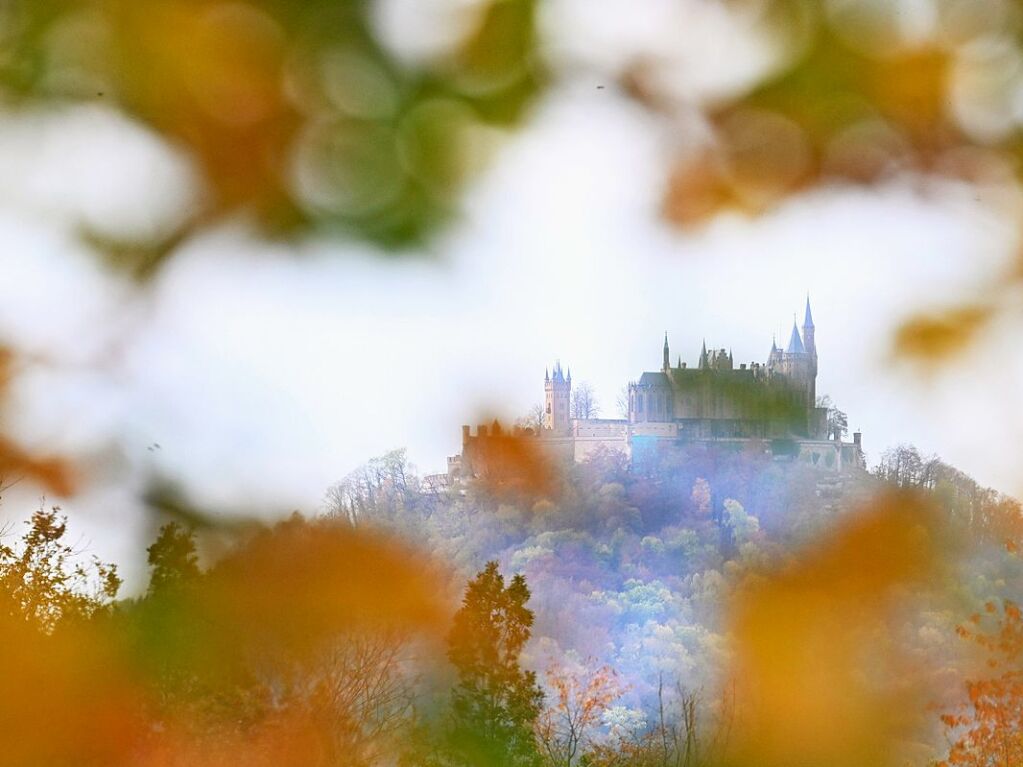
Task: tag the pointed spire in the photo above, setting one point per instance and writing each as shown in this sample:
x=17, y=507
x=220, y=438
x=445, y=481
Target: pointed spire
x=808, y=317
x=703, y=355
x=680, y=361
x=570, y=374
x=667, y=356
x=546, y=376
x=795, y=342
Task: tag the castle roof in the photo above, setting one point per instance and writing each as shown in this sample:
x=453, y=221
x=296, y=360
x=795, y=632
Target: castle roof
x=654, y=379
x=808, y=317
x=558, y=375
x=795, y=342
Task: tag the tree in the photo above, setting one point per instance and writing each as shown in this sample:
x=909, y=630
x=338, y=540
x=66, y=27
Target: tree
x=172, y=558
x=358, y=694
x=838, y=424
x=701, y=497
x=988, y=731
x=837, y=420
x=622, y=402
x=584, y=402
x=44, y=583
x=581, y=697
x=380, y=489
x=744, y=527
x=902, y=466
x=533, y=419
x=495, y=703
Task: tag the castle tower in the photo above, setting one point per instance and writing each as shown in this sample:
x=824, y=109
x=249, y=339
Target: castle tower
x=810, y=342
x=799, y=364
x=667, y=361
x=557, y=396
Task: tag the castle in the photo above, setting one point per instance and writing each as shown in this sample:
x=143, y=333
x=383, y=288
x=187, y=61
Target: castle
x=770, y=406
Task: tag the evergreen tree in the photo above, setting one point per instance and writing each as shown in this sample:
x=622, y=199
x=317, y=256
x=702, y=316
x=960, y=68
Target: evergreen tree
x=496, y=702
x=172, y=558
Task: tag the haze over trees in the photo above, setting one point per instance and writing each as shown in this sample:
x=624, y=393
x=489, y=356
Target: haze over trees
x=610, y=620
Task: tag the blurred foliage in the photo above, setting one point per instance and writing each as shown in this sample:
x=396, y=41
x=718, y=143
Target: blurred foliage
x=929, y=338
x=50, y=472
x=817, y=688
x=309, y=117
x=321, y=642
x=290, y=650
x=861, y=93
x=862, y=90
x=988, y=729
x=294, y=111
x=511, y=464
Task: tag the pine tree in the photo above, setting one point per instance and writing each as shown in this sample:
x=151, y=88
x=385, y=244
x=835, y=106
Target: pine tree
x=496, y=702
x=172, y=558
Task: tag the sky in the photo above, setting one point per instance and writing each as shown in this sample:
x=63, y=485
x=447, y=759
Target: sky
x=265, y=372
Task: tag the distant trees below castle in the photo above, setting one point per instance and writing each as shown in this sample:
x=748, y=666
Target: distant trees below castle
x=584, y=402
x=339, y=640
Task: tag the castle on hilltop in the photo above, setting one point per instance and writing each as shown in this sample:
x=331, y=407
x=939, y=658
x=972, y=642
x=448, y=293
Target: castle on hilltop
x=770, y=406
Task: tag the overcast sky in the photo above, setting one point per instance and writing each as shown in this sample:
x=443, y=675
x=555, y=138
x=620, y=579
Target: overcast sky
x=267, y=372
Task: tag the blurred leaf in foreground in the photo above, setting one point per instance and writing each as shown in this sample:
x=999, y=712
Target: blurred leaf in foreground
x=818, y=682
x=295, y=112
x=934, y=338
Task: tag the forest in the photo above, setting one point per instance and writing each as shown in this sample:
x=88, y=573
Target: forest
x=707, y=608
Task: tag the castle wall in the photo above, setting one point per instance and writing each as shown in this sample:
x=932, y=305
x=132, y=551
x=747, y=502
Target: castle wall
x=599, y=433
x=658, y=430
